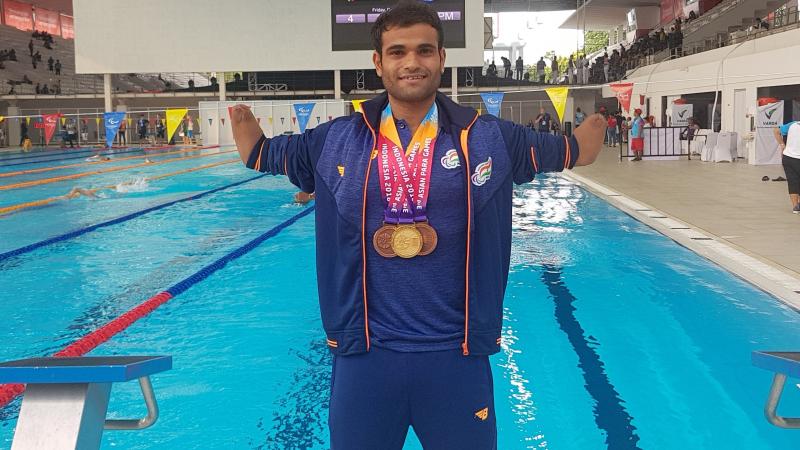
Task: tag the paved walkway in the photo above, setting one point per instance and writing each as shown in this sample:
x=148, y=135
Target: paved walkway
x=728, y=200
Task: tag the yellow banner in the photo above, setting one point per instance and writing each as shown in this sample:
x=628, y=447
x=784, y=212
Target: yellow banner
x=559, y=98
x=174, y=117
x=27, y=120
x=97, y=121
x=2, y=119
x=63, y=121
x=129, y=120
x=357, y=106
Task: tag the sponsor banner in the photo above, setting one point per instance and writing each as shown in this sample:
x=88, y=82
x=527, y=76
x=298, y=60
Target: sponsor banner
x=67, y=27
x=768, y=118
x=47, y=21
x=493, y=102
x=18, y=15
x=681, y=115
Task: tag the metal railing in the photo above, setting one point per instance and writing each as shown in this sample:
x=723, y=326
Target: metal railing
x=783, y=19
x=659, y=142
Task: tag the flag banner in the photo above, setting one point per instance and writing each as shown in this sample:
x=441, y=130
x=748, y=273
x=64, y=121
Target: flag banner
x=222, y=121
x=2, y=119
x=174, y=118
x=50, y=123
x=112, y=121
x=357, y=105
x=270, y=120
x=318, y=120
x=559, y=98
x=28, y=120
x=623, y=92
x=282, y=120
x=493, y=101
x=210, y=121
x=303, y=112
x=63, y=121
x=97, y=121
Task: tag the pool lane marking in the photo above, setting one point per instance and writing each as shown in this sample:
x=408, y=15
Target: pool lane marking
x=91, y=163
x=610, y=416
x=89, y=342
x=46, y=201
x=85, y=151
x=75, y=176
x=118, y=220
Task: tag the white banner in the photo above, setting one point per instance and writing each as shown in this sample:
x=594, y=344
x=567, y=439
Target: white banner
x=767, y=150
x=681, y=114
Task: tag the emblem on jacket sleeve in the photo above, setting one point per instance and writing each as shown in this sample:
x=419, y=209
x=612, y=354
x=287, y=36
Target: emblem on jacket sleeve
x=482, y=173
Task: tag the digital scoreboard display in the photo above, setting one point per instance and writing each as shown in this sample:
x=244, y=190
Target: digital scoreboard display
x=352, y=21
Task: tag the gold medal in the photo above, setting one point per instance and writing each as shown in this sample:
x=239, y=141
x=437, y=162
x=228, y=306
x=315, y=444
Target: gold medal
x=429, y=238
x=406, y=241
x=382, y=240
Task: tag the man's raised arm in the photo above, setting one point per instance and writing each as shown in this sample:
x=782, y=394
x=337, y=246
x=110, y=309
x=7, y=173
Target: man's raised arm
x=246, y=131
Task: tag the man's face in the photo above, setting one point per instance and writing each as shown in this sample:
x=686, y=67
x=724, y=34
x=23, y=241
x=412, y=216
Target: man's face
x=411, y=62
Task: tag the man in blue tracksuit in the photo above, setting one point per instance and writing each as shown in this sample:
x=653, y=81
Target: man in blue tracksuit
x=413, y=246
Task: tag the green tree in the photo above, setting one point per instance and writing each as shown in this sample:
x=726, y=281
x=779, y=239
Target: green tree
x=594, y=41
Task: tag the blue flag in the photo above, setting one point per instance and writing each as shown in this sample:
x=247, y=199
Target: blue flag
x=112, y=121
x=493, y=100
x=303, y=113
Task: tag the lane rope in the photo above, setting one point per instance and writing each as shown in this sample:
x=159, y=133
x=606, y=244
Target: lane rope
x=47, y=201
x=75, y=176
x=107, y=153
x=75, y=151
x=91, y=163
x=118, y=220
x=89, y=342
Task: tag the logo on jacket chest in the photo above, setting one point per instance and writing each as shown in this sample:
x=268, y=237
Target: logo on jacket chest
x=483, y=172
x=450, y=159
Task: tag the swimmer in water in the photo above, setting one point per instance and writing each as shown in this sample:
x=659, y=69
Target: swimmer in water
x=303, y=198
x=98, y=158
x=77, y=192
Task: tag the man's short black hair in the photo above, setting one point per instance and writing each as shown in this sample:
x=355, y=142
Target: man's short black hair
x=405, y=14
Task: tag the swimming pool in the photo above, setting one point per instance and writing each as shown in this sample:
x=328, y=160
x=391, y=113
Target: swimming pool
x=615, y=336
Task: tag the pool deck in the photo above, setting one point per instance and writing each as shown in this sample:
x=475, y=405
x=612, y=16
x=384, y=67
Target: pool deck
x=748, y=220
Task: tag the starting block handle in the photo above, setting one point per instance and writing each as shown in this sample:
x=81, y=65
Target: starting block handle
x=145, y=422
x=771, y=408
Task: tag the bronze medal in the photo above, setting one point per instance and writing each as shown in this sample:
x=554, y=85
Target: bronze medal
x=429, y=238
x=382, y=240
x=406, y=241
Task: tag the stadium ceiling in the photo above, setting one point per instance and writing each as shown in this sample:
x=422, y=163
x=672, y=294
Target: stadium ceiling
x=495, y=6
x=604, y=14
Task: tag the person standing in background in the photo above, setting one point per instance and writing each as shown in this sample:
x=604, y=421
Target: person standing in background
x=791, y=159
x=637, y=135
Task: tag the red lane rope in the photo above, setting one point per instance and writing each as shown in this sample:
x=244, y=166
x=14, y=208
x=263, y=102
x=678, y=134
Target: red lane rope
x=8, y=392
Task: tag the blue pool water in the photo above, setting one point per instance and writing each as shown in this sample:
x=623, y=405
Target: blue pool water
x=615, y=337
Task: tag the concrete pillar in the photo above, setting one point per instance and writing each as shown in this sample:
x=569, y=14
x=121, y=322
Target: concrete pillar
x=337, y=84
x=454, y=84
x=13, y=126
x=222, y=87
x=107, y=91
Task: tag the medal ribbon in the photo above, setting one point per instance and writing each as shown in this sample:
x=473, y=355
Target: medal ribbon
x=406, y=176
